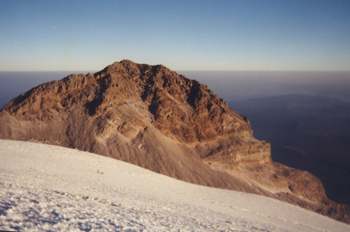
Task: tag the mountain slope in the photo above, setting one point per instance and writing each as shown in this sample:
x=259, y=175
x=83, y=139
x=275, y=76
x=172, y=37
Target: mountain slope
x=311, y=133
x=157, y=119
x=45, y=187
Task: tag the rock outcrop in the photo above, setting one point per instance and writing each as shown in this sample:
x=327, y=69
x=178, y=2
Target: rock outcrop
x=157, y=119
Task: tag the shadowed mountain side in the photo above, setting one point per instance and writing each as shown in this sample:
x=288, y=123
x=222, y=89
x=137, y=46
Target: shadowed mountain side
x=311, y=133
x=155, y=118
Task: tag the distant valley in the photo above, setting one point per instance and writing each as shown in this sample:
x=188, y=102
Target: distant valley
x=306, y=132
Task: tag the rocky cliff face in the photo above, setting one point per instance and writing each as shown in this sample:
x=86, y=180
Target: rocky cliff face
x=155, y=118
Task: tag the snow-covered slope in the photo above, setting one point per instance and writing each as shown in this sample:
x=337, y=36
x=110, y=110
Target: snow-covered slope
x=45, y=187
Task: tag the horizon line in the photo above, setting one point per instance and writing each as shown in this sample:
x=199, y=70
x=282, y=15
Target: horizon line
x=90, y=71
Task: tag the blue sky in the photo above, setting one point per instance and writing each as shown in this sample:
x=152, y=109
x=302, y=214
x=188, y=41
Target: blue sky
x=182, y=35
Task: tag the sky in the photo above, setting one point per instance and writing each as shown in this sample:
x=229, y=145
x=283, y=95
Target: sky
x=253, y=35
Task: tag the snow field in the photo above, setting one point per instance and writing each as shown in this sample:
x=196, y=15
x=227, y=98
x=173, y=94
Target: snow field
x=50, y=188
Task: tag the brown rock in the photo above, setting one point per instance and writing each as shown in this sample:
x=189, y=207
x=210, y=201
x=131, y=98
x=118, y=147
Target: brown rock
x=157, y=119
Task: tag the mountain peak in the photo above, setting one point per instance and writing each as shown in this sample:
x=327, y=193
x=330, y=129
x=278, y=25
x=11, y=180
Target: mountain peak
x=157, y=119
x=182, y=108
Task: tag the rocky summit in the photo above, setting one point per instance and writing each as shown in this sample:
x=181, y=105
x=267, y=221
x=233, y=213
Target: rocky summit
x=155, y=118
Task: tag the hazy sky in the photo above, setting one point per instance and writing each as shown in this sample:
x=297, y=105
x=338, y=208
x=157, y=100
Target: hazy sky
x=182, y=35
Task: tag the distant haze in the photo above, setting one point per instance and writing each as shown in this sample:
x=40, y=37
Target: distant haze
x=229, y=85
x=241, y=85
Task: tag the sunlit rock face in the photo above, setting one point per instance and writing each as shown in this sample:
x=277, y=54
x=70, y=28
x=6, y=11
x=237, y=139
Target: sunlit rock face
x=157, y=119
x=125, y=99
